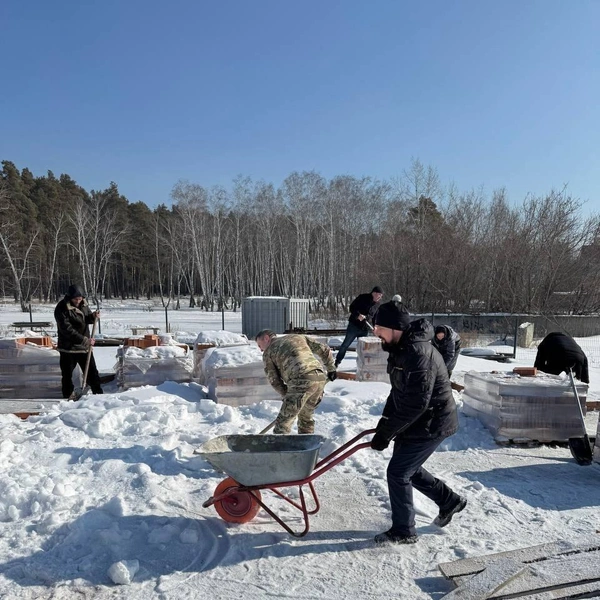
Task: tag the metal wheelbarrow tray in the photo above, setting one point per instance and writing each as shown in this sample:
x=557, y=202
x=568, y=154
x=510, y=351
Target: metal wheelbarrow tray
x=259, y=459
x=269, y=462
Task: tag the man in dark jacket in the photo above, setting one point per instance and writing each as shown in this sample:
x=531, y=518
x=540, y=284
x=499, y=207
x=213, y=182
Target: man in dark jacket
x=447, y=343
x=72, y=316
x=362, y=308
x=419, y=414
x=559, y=352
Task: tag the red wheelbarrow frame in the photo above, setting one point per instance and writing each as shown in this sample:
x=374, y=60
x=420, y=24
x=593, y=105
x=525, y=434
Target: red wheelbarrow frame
x=336, y=457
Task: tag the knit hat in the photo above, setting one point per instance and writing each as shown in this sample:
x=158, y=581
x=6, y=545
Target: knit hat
x=376, y=290
x=440, y=329
x=74, y=291
x=393, y=317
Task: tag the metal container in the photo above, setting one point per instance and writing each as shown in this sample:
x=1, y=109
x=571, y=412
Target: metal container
x=262, y=459
x=273, y=312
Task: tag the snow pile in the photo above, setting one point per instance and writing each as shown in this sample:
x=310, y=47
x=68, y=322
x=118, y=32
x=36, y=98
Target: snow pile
x=231, y=357
x=154, y=352
x=221, y=338
x=208, y=339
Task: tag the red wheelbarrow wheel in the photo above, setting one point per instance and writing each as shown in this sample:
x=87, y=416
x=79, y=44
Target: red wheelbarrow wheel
x=238, y=507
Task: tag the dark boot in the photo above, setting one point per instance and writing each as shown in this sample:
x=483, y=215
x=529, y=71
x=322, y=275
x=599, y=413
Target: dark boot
x=445, y=515
x=389, y=537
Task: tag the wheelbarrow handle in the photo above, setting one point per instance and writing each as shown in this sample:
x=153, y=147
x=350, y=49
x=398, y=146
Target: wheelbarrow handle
x=331, y=457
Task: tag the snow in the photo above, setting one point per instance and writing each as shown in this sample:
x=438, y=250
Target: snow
x=103, y=498
x=221, y=338
x=158, y=352
x=230, y=356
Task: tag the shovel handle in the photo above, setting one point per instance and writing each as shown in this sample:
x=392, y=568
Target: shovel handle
x=267, y=428
x=89, y=355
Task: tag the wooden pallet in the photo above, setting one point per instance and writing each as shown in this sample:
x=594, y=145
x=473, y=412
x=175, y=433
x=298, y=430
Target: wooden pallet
x=347, y=376
x=545, y=572
x=25, y=408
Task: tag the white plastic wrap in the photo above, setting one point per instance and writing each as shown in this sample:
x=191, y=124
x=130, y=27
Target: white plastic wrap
x=540, y=408
x=29, y=371
x=371, y=360
x=152, y=366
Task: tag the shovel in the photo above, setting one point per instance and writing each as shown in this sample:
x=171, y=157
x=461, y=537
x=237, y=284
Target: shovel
x=581, y=449
x=76, y=395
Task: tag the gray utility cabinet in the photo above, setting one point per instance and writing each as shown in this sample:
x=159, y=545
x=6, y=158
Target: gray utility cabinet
x=273, y=312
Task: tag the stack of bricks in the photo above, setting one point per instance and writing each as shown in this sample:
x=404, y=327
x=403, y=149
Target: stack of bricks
x=148, y=341
x=137, y=366
x=533, y=408
x=29, y=368
x=371, y=360
x=597, y=442
x=200, y=351
x=239, y=384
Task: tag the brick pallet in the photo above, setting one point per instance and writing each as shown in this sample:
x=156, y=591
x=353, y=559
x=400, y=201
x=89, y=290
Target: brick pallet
x=371, y=360
x=537, y=408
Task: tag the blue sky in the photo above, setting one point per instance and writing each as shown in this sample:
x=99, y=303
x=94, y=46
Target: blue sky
x=143, y=93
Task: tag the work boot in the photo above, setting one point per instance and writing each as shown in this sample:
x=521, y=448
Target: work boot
x=389, y=537
x=445, y=516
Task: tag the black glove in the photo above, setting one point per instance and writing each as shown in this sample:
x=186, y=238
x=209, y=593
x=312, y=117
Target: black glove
x=379, y=442
x=332, y=375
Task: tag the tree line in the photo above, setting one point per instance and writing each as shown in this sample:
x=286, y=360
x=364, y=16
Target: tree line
x=442, y=249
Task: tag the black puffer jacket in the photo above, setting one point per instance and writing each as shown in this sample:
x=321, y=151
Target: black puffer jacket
x=420, y=405
x=448, y=346
x=559, y=352
x=363, y=304
x=72, y=323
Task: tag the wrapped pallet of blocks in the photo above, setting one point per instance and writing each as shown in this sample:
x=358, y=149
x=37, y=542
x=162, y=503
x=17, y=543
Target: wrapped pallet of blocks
x=29, y=369
x=371, y=360
x=597, y=442
x=538, y=408
x=211, y=339
x=153, y=365
x=235, y=376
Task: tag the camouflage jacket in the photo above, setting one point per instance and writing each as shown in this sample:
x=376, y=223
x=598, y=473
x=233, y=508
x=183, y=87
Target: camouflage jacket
x=292, y=359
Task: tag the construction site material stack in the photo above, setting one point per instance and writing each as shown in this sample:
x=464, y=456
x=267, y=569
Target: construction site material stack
x=371, y=360
x=29, y=368
x=144, y=361
x=520, y=408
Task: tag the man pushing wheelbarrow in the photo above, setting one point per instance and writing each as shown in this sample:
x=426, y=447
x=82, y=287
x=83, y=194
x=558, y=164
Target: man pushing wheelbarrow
x=419, y=414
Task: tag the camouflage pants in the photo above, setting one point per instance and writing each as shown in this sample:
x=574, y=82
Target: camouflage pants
x=300, y=401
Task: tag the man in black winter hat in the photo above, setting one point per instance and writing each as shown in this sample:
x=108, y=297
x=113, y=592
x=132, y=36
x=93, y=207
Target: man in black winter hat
x=419, y=414
x=72, y=316
x=362, y=308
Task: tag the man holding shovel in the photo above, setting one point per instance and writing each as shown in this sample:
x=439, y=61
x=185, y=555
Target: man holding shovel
x=75, y=343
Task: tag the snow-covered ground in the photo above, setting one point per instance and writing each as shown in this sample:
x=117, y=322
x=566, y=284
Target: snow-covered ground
x=102, y=498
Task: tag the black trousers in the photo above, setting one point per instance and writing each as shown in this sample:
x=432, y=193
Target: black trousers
x=405, y=472
x=68, y=362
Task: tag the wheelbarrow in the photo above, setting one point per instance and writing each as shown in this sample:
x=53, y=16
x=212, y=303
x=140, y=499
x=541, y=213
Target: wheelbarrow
x=270, y=462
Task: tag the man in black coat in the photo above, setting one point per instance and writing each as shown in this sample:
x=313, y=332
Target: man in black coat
x=419, y=414
x=447, y=342
x=72, y=316
x=559, y=352
x=362, y=308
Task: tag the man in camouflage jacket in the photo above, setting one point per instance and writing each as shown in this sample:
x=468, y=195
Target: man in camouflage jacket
x=298, y=375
